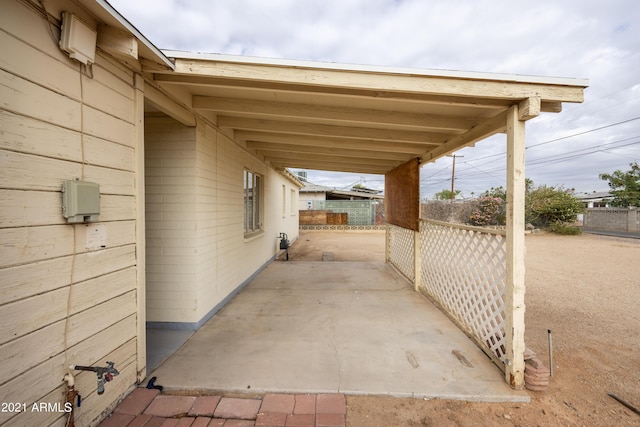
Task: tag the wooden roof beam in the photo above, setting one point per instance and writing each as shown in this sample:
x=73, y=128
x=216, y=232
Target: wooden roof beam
x=215, y=82
x=335, y=158
x=329, y=142
x=328, y=166
x=344, y=152
x=328, y=130
x=529, y=108
x=484, y=130
x=168, y=106
x=337, y=113
x=194, y=81
x=551, y=107
x=475, y=86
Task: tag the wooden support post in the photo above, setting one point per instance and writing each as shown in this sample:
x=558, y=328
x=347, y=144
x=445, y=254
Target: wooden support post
x=141, y=244
x=515, y=288
x=387, y=246
x=417, y=261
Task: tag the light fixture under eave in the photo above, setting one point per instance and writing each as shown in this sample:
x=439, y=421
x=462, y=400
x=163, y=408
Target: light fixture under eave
x=78, y=39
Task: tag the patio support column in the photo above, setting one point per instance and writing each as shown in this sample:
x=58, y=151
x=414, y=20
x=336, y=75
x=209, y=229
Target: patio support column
x=515, y=287
x=387, y=244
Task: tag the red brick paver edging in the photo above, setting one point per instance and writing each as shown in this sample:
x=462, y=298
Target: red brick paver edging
x=144, y=407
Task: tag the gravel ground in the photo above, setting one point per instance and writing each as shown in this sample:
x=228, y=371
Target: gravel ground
x=585, y=289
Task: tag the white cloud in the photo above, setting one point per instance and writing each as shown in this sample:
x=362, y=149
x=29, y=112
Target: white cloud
x=573, y=38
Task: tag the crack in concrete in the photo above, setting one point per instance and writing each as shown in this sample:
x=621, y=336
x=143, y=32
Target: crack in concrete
x=331, y=331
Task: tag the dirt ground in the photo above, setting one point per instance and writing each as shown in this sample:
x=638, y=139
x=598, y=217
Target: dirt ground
x=585, y=289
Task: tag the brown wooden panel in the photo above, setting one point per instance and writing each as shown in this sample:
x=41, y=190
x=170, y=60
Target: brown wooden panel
x=337, y=218
x=309, y=217
x=402, y=195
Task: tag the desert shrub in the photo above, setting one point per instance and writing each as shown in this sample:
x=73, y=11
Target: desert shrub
x=544, y=206
x=550, y=205
x=564, y=229
x=488, y=210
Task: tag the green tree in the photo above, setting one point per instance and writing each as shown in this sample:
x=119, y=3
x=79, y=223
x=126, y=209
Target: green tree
x=625, y=186
x=502, y=192
x=446, y=194
x=548, y=205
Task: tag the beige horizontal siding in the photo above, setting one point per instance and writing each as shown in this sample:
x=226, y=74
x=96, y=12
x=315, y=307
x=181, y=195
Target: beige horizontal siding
x=31, y=244
x=34, y=278
x=31, y=136
x=35, y=65
x=30, y=208
x=108, y=154
x=23, y=97
x=68, y=293
x=103, y=125
x=42, y=173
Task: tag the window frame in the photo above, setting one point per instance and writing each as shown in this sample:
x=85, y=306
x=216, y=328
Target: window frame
x=294, y=202
x=253, y=200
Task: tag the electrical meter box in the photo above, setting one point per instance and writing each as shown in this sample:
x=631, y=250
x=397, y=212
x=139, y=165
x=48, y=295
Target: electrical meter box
x=78, y=39
x=80, y=201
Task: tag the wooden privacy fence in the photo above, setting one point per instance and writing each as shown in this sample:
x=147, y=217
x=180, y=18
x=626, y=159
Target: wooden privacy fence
x=323, y=217
x=461, y=268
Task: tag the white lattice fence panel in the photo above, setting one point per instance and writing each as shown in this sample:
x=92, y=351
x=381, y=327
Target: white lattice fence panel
x=401, y=249
x=464, y=269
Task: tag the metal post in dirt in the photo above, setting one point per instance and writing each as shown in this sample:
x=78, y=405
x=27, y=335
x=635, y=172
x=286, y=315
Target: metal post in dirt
x=550, y=353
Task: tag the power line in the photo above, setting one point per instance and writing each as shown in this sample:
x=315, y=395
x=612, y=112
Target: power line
x=557, y=139
x=436, y=173
x=556, y=158
x=587, y=105
x=583, y=133
x=552, y=159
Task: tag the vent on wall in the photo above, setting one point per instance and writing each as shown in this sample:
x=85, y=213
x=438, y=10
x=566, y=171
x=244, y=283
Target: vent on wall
x=78, y=39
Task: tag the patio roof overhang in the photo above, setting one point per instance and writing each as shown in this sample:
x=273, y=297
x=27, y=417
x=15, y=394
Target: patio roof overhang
x=350, y=118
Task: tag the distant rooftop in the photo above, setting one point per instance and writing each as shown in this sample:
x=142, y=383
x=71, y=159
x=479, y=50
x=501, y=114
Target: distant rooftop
x=367, y=193
x=596, y=195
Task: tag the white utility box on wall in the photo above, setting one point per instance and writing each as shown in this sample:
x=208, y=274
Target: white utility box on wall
x=78, y=39
x=80, y=201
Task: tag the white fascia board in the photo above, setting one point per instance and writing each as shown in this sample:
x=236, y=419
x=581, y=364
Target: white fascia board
x=469, y=75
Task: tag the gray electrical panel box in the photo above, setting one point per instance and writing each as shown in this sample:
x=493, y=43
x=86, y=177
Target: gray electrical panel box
x=80, y=201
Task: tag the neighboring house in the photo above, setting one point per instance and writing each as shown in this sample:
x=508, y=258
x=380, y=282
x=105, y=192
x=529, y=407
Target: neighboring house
x=314, y=192
x=189, y=152
x=597, y=199
x=321, y=205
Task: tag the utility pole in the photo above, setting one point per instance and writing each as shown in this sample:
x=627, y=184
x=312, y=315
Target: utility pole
x=453, y=176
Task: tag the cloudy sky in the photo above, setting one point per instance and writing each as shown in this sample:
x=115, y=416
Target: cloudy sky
x=593, y=39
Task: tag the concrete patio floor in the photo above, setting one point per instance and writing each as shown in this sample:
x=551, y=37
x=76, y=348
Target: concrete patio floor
x=328, y=327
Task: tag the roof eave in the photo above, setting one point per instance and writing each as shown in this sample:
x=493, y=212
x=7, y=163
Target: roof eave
x=470, y=75
x=149, y=48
